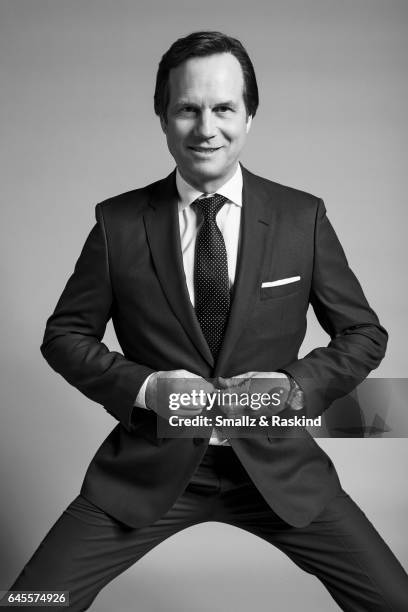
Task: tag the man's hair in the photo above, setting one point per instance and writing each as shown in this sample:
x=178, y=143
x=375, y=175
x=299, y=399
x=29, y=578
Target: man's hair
x=201, y=44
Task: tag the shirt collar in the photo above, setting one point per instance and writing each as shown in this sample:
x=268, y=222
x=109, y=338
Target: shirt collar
x=232, y=189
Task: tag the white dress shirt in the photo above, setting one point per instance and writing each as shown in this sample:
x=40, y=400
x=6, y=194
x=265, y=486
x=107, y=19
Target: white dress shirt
x=228, y=220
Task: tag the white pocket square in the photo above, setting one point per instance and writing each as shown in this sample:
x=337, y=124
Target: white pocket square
x=281, y=281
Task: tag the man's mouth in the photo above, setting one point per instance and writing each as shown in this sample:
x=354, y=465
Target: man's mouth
x=205, y=150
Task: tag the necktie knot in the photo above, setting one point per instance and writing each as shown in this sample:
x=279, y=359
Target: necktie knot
x=210, y=206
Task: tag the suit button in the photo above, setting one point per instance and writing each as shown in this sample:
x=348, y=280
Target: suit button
x=198, y=441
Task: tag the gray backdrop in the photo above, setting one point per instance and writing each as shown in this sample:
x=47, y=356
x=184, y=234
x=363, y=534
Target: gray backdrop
x=78, y=126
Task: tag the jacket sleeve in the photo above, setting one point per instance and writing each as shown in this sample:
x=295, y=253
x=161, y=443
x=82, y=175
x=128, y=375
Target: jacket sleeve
x=72, y=343
x=358, y=341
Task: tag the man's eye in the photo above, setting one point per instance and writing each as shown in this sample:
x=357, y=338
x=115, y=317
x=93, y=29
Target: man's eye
x=187, y=109
x=222, y=109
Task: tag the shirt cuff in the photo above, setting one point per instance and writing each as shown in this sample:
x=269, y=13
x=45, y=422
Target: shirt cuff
x=140, y=400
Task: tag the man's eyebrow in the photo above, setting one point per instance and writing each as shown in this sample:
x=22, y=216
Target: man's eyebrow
x=182, y=102
x=227, y=103
x=185, y=102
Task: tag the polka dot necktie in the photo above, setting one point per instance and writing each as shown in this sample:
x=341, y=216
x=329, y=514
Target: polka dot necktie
x=211, y=282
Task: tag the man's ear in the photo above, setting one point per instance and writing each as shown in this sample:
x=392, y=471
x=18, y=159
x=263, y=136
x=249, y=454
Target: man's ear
x=248, y=123
x=163, y=124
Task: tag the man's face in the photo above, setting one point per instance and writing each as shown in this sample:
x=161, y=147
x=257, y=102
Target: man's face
x=207, y=124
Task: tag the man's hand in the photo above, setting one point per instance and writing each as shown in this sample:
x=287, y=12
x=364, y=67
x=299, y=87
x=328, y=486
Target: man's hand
x=164, y=383
x=260, y=383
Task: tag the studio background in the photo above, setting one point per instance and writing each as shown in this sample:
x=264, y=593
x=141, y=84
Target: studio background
x=77, y=126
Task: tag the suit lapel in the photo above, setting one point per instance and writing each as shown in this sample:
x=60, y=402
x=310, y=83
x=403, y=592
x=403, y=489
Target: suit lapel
x=257, y=215
x=162, y=228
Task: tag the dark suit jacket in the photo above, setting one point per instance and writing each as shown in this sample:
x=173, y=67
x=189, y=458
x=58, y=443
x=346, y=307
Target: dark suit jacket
x=130, y=269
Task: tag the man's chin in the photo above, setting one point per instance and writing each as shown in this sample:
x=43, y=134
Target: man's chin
x=205, y=172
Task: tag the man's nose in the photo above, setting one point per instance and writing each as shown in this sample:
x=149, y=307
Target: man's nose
x=206, y=126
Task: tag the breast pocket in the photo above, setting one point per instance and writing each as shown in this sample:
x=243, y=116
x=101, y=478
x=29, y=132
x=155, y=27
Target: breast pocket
x=279, y=288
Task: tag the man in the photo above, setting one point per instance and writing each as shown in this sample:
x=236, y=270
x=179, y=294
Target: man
x=207, y=276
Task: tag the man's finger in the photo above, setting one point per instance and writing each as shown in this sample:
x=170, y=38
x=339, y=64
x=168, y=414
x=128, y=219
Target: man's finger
x=234, y=381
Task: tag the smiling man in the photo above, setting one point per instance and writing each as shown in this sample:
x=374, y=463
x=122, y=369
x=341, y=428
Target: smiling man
x=207, y=275
x=206, y=121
